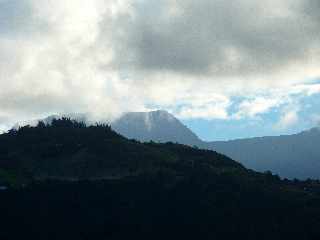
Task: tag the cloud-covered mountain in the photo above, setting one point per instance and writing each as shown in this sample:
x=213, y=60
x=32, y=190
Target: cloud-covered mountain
x=198, y=57
x=158, y=126
x=290, y=156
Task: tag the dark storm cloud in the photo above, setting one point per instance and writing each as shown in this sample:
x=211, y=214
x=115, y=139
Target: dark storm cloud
x=224, y=38
x=312, y=8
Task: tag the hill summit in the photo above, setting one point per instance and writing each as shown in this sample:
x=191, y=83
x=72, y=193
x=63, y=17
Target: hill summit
x=67, y=149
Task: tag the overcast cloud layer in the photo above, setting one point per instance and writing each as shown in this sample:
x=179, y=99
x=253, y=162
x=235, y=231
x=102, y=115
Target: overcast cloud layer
x=190, y=57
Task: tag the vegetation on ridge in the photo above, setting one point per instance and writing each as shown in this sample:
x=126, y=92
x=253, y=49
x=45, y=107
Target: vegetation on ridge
x=91, y=183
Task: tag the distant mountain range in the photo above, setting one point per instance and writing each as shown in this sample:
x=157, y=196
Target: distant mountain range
x=289, y=156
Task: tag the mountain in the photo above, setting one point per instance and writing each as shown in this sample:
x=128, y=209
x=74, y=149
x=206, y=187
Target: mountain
x=70, y=181
x=67, y=149
x=290, y=156
x=158, y=126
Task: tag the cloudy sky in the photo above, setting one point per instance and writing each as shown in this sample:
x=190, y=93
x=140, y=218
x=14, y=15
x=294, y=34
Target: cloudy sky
x=227, y=69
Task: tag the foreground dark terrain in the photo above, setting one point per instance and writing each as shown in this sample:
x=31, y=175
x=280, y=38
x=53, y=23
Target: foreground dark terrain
x=69, y=181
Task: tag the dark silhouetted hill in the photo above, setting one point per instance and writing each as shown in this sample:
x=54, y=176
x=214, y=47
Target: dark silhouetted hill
x=69, y=149
x=69, y=181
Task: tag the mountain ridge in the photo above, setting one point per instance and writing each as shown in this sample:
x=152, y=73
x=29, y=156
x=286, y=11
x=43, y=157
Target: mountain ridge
x=73, y=181
x=70, y=150
x=290, y=156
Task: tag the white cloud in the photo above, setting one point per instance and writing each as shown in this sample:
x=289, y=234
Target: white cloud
x=288, y=119
x=206, y=112
x=273, y=99
x=259, y=105
x=315, y=119
x=215, y=108
x=306, y=89
x=107, y=57
x=63, y=67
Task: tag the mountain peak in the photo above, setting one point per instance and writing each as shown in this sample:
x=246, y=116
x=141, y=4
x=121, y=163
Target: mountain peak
x=159, y=126
x=160, y=113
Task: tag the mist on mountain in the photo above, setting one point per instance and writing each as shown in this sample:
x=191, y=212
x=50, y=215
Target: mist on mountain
x=289, y=156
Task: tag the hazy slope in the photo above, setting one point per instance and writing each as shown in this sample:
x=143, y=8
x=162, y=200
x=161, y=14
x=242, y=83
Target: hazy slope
x=158, y=126
x=291, y=156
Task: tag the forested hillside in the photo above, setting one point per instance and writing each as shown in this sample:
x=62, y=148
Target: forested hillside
x=70, y=181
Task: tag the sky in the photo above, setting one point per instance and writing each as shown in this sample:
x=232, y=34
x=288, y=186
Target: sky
x=227, y=69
